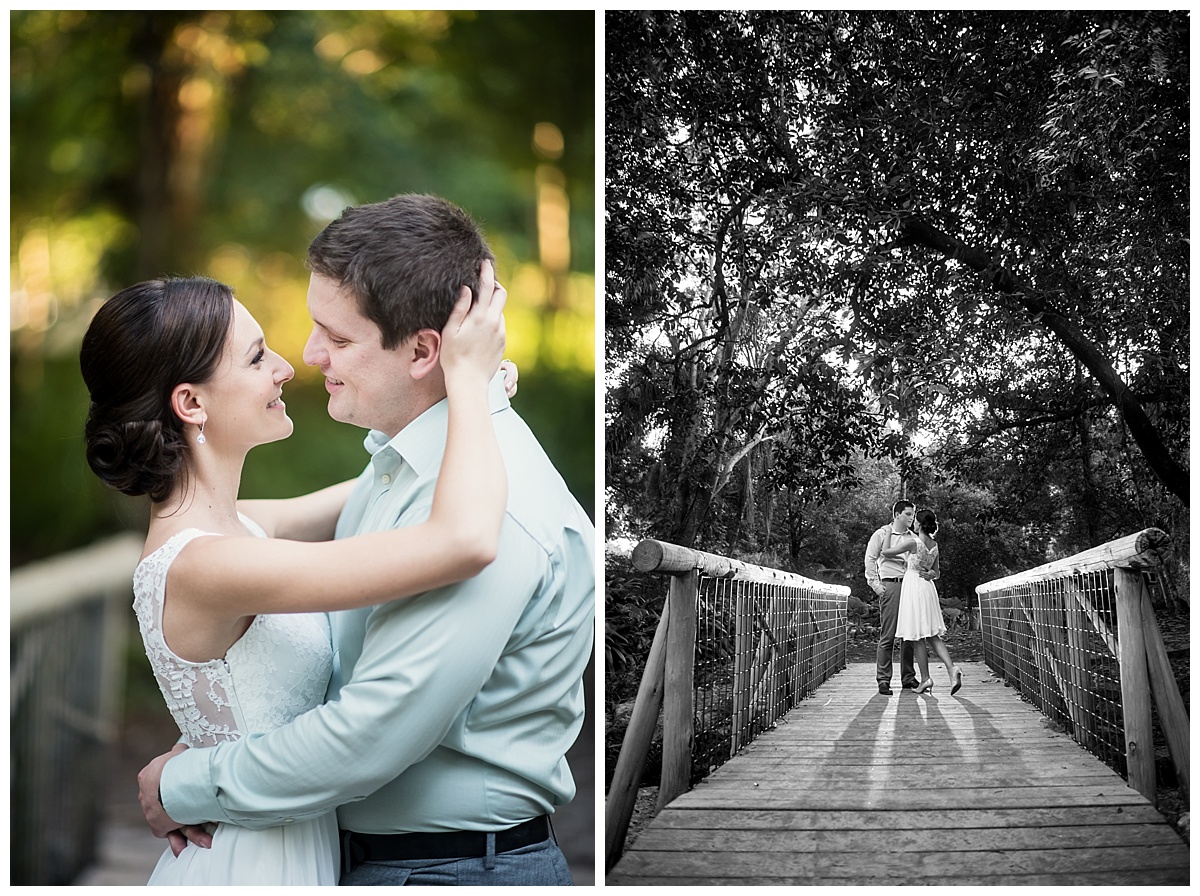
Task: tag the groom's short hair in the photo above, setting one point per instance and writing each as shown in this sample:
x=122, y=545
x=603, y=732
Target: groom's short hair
x=404, y=259
x=900, y=506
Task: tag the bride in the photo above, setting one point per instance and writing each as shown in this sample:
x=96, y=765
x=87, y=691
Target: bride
x=230, y=595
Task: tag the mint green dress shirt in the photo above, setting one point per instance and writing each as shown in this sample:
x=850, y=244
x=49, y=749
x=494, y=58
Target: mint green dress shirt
x=449, y=711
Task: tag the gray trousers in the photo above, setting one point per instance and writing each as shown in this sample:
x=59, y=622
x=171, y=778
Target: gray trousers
x=889, y=612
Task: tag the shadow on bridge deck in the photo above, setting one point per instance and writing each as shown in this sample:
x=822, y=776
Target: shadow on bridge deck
x=856, y=788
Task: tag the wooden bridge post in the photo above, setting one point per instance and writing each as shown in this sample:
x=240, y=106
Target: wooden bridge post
x=1172, y=712
x=1040, y=626
x=1002, y=635
x=1079, y=700
x=776, y=671
x=622, y=792
x=1135, y=682
x=1150, y=673
x=679, y=696
x=743, y=645
x=802, y=674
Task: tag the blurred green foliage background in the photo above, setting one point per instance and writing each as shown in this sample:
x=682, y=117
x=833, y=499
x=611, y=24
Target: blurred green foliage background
x=219, y=143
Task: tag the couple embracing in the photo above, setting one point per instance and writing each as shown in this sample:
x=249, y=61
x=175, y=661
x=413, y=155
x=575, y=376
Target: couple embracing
x=902, y=562
x=375, y=684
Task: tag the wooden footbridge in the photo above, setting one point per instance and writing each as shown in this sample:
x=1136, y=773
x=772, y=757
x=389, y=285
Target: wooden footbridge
x=1040, y=771
x=856, y=788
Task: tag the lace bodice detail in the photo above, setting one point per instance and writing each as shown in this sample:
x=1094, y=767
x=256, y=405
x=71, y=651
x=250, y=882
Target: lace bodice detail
x=922, y=558
x=277, y=670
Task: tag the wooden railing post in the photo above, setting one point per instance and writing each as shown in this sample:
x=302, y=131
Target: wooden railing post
x=1144, y=661
x=622, y=791
x=1079, y=704
x=679, y=695
x=1002, y=634
x=1135, y=682
x=743, y=658
x=1171, y=709
x=1037, y=617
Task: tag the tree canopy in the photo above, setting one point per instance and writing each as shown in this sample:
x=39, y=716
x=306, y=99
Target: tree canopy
x=956, y=242
x=147, y=143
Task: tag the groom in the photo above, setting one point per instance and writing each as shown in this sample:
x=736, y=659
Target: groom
x=884, y=575
x=448, y=716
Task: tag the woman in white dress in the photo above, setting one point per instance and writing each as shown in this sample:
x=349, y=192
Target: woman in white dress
x=920, y=615
x=230, y=595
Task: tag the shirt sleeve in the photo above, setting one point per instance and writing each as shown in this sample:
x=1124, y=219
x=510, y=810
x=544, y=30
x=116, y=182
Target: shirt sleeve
x=424, y=660
x=871, y=560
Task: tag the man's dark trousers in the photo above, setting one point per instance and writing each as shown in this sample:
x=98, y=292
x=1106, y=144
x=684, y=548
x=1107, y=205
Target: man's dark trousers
x=889, y=611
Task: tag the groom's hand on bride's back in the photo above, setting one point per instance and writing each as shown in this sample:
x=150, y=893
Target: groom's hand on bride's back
x=161, y=824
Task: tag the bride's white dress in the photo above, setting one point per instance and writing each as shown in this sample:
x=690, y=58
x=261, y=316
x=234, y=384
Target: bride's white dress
x=920, y=614
x=277, y=670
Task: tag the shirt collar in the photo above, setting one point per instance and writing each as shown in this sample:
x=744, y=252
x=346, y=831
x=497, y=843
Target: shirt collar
x=423, y=442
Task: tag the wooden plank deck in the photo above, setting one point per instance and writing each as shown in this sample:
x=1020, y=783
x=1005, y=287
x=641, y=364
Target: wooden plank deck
x=855, y=788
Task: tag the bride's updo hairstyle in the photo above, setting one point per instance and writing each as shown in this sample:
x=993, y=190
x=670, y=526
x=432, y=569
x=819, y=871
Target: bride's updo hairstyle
x=928, y=521
x=141, y=344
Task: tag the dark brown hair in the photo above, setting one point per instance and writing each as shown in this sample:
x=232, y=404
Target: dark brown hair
x=404, y=260
x=142, y=343
x=928, y=521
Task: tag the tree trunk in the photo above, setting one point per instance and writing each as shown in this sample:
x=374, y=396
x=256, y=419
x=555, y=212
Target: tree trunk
x=1091, y=503
x=174, y=145
x=1172, y=475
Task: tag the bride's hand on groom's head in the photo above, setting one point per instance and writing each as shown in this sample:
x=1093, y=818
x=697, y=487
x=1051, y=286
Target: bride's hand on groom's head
x=474, y=334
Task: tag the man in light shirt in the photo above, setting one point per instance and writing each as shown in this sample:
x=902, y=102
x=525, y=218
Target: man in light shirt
x=884, y=575
x=448, y=717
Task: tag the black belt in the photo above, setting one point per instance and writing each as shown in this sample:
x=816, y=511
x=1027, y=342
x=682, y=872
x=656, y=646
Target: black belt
x=892, y=579
x=359, y=848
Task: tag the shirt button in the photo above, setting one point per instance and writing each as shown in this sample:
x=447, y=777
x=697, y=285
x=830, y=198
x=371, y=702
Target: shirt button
x=387, y=478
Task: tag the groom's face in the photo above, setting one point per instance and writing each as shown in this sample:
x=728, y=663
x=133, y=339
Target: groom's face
x=904, y=519
x=368, y=385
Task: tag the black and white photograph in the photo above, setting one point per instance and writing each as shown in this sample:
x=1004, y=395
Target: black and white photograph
x=896, y=436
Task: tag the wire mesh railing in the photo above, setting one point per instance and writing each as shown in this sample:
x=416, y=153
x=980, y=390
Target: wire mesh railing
x=761, y=647
x=1055, y=641
x=68, y=626
x=736, y=647
x=1079, y=640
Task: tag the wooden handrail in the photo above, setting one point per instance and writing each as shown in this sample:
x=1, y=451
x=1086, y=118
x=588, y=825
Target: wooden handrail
x=1142, y=550
x=47, y=586
x=671, y=559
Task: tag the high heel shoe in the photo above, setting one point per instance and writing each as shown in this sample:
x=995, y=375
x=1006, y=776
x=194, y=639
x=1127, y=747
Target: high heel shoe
x=925, y=687
x=957, y=682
